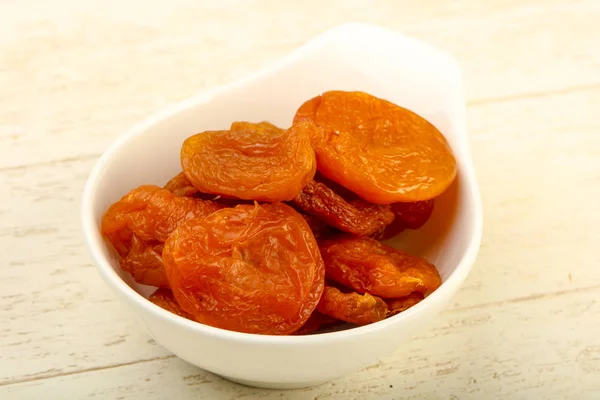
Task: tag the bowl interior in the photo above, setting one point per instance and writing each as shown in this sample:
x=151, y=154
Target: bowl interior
x=399, y=69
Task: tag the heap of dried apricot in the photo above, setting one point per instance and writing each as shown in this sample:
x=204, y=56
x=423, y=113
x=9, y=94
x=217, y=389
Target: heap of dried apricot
x=247, y=238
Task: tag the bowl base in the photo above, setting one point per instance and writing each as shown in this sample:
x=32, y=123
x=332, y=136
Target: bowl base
x=275, y=385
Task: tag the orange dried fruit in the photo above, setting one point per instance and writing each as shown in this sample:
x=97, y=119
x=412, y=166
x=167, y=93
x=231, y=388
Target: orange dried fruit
x=251, y=161
x=144, y=263
x=359, y=309
x=319, y=228
x=254, y=269
x=404, y=303
x=366, y=265
x=382, y=152
x=151, y=213
x=164, y=299
x=412, y=215
x=315, y=322
x=355, y=216
x=181, y=186
x=139, y=223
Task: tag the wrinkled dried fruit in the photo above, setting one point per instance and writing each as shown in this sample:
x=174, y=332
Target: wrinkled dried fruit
x=251, y=161
x=359, y=309
x=181, y=186
x=380, y=151
x=319, y=228
x=264, y=126
x=316, y=322
x=144, y=263
x=151, y=213
x=354, y=216
x=164, y=299
x=404, y=303
x=307, y=113
x=254, y=269
x=411, y=215
x=230, y=202
x=366, y=265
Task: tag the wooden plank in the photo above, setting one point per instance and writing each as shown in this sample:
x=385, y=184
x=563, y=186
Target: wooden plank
x=538, y=168
x=73, y=82
x=543, y=349
x=60, y=316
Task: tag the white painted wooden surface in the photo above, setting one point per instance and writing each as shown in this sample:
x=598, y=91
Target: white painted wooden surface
x=74, y=75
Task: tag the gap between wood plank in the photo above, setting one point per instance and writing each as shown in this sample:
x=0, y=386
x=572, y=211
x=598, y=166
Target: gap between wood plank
x=41, y=377
x=523, y=299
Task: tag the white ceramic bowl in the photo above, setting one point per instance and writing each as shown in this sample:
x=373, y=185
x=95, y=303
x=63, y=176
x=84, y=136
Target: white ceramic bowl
x=405, y=71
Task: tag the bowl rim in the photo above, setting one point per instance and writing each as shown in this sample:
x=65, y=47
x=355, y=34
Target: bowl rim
x=92, y=236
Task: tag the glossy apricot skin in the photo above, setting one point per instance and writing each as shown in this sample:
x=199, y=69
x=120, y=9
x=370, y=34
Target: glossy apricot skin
x=252, y=268
x=164, y=299
x=366, y=265
x=382, y=152
x=355, y=216
x=359, y=309
x=251, y=161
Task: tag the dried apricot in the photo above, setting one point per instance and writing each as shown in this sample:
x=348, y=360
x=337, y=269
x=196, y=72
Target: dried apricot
x=412, y=215
x=366, y=265
x=306, y=113
x=319, y=228
x=254, y=269
x=181, y=186
x=354, y=216
x=404, y=303
x=151, y=213
x=251, y=161
x=144, y=263
x=359, y=309
x=380, y=151
x=315, y=322
x=164, y=299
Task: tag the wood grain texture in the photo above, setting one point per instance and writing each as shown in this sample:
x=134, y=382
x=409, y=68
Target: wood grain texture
x=74, y=75
x=76, y=81
x=467, y=359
